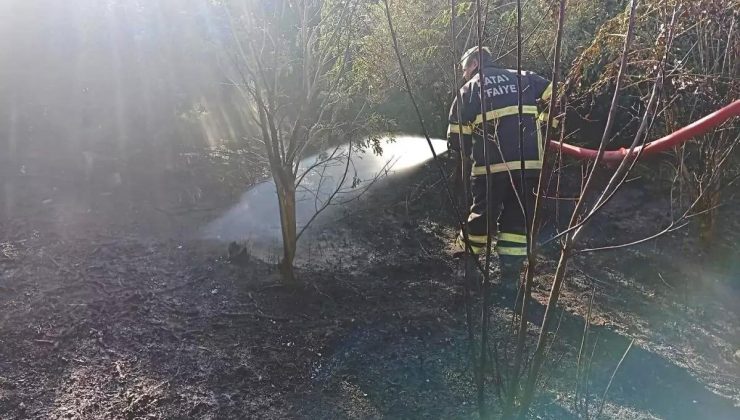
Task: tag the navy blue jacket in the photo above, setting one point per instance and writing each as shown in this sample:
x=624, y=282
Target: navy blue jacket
x=500, y=90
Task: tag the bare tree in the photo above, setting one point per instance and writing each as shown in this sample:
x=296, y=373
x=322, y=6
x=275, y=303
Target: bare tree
x=290, y=60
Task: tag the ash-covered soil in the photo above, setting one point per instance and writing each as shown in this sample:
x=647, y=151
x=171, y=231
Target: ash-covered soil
x=111, y=307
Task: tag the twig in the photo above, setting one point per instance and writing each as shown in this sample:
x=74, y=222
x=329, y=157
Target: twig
x=144, y=395
x=587, y=391
x=258, y=314
x=482, y=408
x=603, y=398
x=664, y=282
x=54, y=261
x=533, y=230
x=407, y=84
x=583, y=345
x=464, y=181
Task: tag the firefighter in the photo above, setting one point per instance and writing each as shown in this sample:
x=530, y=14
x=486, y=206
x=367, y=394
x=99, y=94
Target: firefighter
x=506, y=205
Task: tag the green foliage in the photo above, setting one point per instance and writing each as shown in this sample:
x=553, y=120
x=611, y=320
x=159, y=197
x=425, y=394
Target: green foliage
x=700, y=75
x=423, y=29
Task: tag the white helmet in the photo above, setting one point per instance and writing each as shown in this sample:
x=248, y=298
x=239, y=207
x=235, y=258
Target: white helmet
x=472, y=53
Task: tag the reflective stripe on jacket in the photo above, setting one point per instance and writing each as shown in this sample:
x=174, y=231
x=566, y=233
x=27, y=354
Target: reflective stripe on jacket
x=500, y=90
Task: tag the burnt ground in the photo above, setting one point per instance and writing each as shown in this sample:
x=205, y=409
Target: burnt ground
x=110, y=307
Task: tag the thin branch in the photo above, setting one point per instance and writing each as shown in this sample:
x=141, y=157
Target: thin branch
x=397, y=50
x=331, y=197
x=482, y=408
x=464, y=180
x=534, y=228
x=584, y=338
x=603, y=398
x=566, y=249
x=319, y=162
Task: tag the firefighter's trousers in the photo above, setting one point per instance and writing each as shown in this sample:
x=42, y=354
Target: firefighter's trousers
x=508, y=227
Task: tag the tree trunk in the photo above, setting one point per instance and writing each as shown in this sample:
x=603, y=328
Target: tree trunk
x=286, y=199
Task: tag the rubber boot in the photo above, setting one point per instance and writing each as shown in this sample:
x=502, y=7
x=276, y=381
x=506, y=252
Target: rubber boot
x=511, y=273
x=511, y=276
x=470, y=263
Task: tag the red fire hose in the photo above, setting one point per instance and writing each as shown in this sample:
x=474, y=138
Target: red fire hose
x=674, y=139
